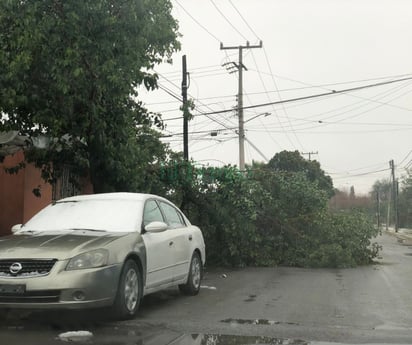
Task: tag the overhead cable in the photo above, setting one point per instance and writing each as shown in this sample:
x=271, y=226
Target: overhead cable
x=333, y=92
x=228, y=21
x=196, y=21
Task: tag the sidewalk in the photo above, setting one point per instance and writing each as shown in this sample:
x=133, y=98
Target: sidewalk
x=403, y=234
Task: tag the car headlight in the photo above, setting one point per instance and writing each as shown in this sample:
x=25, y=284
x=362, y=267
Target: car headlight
x=92, y=259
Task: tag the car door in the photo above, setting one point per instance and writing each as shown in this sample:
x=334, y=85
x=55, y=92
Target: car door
x=159, y=248
x=181, y=238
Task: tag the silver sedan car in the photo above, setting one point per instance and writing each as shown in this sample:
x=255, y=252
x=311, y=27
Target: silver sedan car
x=100, y=250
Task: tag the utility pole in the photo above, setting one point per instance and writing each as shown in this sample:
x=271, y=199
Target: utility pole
x=185, y=110
x=240, y=68
x=378, y=208
x=397, y=205
x=310, y=153
x=394, y=194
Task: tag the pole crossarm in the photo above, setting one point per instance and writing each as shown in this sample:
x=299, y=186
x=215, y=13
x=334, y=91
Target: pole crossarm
x=247, y=46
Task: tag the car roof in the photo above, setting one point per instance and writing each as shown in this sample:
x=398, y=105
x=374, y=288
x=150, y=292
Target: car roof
x=112, y=196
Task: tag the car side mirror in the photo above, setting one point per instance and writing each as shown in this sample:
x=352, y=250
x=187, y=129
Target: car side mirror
x=16, y=228
x=156, y=227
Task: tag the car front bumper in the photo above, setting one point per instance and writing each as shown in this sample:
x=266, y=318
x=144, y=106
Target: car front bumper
x=61, y=289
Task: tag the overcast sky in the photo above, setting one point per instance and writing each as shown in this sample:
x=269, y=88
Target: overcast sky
x=309, y=47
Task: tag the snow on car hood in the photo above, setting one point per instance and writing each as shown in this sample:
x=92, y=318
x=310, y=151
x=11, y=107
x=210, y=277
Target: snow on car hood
x=54, y=245
x=113, y=215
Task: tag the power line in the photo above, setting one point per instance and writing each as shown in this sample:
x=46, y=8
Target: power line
x=273, y=107
x=227, y=20
x=362, y=174
x=303, y=131
x=334, y=92
x=201, y=113
x=244, y=20
x=199, y=132
x=197, y=22
x=325, y=86
x=177, y=72
x=214, y=144
x=309, y=86
x=377, y=165
x=279, y=96
x=169, y=92
x=406, y=157
x=322, y=121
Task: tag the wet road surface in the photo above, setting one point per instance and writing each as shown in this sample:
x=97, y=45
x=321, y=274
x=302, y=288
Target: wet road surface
x=370, y=304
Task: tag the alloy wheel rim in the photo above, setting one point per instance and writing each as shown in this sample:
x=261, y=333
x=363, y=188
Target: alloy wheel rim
x=196, y=272
x=131, y=290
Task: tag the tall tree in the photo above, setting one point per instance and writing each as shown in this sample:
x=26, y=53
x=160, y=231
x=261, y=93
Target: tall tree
x=70, y=72
x=292, y=161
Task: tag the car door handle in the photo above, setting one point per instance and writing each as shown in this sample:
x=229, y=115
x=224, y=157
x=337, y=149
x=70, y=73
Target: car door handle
x=170, y=243
x=190, y=237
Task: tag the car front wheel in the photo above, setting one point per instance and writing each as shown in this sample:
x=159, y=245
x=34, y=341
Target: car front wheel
x=129, y=292
x=194, y=278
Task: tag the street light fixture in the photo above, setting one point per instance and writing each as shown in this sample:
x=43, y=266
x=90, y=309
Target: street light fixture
x=254, y=117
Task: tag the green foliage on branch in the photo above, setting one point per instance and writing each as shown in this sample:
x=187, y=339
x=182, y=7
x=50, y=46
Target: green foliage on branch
x=266, y=218
x=292, y=161
x=70, y=72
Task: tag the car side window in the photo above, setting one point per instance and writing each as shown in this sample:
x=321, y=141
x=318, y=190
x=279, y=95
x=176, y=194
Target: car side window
x=173, y=218
x=152, y=213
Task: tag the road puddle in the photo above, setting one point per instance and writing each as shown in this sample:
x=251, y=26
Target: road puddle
x=257, y=322
x=220, y=339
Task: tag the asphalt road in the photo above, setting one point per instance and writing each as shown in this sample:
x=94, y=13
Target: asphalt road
x=371, y=304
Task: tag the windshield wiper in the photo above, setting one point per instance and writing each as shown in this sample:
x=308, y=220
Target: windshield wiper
x=86, y=229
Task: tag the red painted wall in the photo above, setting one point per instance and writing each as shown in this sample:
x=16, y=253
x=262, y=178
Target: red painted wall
x=33, y=204
x=17, y=201
x=11, y=195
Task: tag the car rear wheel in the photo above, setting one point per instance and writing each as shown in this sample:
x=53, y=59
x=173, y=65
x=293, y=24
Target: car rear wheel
x=129, y=291
x=194, y=278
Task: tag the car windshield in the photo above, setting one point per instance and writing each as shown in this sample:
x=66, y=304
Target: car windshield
x=107, y=215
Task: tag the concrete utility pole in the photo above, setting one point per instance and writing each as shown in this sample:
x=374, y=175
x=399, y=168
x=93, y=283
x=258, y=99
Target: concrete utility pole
x=240, y=68
x=394, y=194
x=310, y=153
x=378, y=208
x=185, y=112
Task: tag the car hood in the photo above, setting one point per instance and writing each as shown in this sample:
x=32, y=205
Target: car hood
x=54, y=245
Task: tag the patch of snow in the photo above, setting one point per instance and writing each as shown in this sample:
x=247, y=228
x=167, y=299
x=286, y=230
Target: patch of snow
x=115, y=214
x=76, y=336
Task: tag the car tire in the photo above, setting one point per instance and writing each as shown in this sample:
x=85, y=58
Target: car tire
x=129, y=291
x=194, y=278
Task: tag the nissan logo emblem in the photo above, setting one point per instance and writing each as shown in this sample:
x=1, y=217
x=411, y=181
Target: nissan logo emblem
x=15, y=268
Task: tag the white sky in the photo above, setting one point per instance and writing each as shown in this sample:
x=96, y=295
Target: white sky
x=306, y=43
